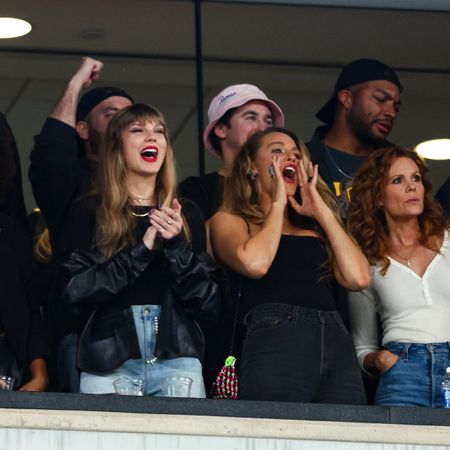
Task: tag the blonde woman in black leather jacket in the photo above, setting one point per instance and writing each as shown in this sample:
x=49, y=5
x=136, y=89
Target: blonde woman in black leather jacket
x=138, y=292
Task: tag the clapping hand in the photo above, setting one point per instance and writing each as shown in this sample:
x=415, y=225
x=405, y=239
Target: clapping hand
x=165, y=223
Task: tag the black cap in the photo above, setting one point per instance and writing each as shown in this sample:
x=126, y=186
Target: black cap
x=95, y=96
x=356, y=72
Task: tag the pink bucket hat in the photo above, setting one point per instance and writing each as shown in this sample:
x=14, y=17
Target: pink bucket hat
x=233, y=97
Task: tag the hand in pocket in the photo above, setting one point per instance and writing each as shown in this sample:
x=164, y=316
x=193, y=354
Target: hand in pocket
x=385, y=360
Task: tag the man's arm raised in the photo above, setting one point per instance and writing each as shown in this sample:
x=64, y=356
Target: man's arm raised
x=65, y=109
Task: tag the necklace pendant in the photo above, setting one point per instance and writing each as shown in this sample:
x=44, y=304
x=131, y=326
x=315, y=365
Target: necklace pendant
x=408, y=262
x=139, y=198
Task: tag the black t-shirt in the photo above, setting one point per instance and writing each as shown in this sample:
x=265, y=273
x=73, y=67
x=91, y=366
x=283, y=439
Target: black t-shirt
x=205, y=191
x=342, y=167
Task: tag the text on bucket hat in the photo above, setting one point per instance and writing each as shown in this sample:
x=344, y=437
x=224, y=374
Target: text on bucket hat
x=95, y=96
x=233, y=97
x=359, y=71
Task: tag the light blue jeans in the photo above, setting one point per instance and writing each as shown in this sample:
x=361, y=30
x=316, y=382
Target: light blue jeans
x=415, y=379
x=151, y=370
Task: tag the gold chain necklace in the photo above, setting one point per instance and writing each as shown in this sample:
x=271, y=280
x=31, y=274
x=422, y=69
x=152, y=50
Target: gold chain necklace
x=145, y=214
x=139, y=215
x=346, y=175
x=408, y=259
x=139, y=198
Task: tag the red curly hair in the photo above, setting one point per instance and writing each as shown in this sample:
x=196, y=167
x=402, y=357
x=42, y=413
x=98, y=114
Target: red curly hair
x=366, y=220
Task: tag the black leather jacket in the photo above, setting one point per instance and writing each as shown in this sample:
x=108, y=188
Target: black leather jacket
x=93, y=288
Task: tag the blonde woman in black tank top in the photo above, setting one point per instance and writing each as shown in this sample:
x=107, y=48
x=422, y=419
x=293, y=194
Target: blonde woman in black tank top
x=279, y=228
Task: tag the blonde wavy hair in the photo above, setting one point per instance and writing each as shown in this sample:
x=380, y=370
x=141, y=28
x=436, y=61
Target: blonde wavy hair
x=115, y=223
x=242, y=191
x=43, y=247
x=366, y=220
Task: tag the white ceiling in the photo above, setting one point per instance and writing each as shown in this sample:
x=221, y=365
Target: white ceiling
x=294, y=53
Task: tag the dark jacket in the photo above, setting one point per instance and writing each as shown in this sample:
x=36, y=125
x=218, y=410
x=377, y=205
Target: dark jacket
x=11, y=194
x=94, y=288
x=20, y=318
x=59, y=173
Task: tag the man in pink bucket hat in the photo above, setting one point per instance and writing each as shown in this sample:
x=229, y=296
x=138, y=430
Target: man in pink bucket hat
x=235, y=114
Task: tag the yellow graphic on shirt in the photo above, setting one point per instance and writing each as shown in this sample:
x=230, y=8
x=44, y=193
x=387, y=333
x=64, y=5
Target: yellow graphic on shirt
x=338, y=189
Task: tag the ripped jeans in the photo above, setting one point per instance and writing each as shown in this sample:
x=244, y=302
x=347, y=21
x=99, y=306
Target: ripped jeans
x=151, y=370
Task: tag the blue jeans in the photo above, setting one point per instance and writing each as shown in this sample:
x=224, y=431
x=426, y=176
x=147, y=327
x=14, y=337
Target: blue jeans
x=415, y=379
x=151, y=370
x=300, y=355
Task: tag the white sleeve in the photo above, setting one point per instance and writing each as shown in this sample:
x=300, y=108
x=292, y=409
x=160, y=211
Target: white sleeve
x=363, y=323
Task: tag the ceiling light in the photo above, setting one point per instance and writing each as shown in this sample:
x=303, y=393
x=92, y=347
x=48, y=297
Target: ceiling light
x=11, y=27
x=434, y=149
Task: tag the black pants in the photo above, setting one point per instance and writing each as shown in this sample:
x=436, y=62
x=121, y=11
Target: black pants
x=298, y=354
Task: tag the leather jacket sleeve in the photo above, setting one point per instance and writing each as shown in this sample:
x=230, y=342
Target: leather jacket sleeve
x=90, y=280
x=194, y=282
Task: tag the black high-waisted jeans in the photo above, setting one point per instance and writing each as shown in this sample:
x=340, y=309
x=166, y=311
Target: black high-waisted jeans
x=298, y=354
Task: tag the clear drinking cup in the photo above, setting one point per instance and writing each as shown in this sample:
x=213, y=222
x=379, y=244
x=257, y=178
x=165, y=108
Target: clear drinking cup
x=6, y=383
x=177, y=386
x=129, y=386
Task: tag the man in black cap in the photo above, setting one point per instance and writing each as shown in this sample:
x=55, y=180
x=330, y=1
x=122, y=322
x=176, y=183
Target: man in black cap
x=63, y=163
x=359, y=117
x=63, y=160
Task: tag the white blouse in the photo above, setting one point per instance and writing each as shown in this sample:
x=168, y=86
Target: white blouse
x=412, y=309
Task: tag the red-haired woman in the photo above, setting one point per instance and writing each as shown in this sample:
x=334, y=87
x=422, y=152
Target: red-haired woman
x=404, y=235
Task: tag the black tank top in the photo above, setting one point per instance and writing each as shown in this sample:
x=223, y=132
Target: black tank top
x=297, y=276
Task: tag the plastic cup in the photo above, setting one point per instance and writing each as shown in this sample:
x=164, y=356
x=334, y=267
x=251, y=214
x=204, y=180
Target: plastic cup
x=178, y=386
x=6, y=383
x=129, y=386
